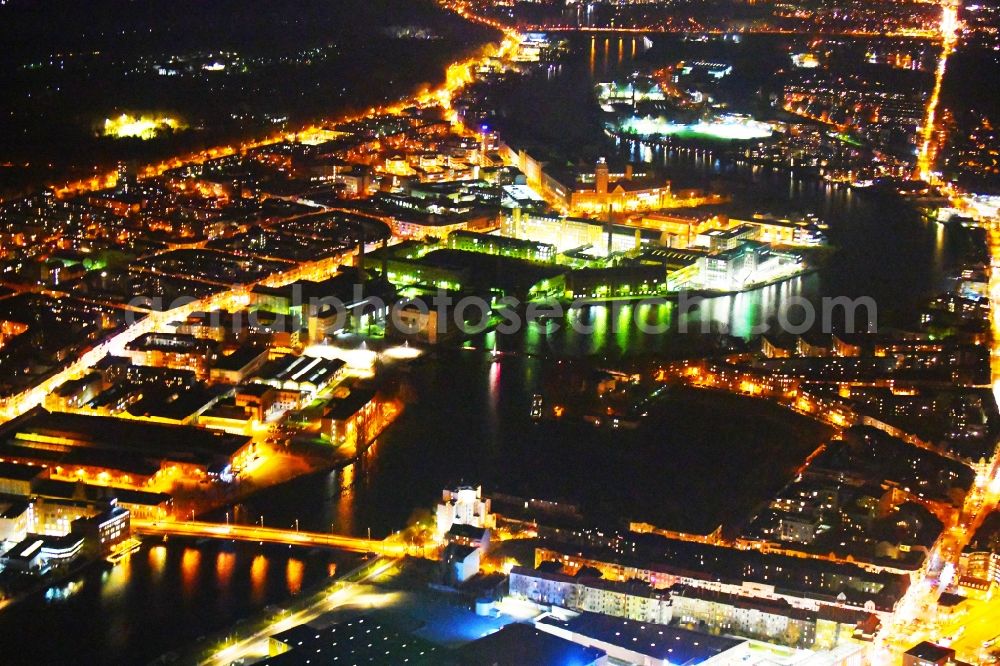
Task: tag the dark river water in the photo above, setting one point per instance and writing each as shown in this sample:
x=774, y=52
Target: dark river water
x=698, y=460
x=165, y=595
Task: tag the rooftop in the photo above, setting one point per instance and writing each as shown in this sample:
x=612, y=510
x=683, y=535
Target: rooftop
x=301, y=369
x=13, y=508
x=16, y=472
x=678, y=646
x=809, y=578
x=361, y=640
x=176, y=405
x=177, y=343
x=42, y=433
x=931, y=652
x=240, y=358
x=339, y=409
x=70, y=490
x=520, y=644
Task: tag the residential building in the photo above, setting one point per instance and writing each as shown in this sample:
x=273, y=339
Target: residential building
x=464, y=506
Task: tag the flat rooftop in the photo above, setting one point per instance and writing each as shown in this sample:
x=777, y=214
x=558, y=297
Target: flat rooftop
x=47, y=433
x=13, y=507
x=78, y=490
x=176, y=343
x=17, y=472
x=520, y=644
x=810, y=578
x=176, y=404
x=659, y=641
x=343, y=408
x=485, y=270
x=240, y=358
x=361, y=640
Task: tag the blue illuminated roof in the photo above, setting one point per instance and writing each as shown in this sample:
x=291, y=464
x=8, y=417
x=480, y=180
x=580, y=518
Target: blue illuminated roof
x=678, y=646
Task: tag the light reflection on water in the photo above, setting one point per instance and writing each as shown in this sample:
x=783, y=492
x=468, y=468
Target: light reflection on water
x=159, y=598
x=258, y=578
x=190, y=563
x=224, y=564
x=157, y=561
x=113, y=582
x=343, y=479
x=138, y=600
x=643, y=326
x=293, y=575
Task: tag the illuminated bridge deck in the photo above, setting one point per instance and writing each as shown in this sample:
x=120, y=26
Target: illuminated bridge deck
x=203, y=530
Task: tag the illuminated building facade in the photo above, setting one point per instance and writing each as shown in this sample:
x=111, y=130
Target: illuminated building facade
x=602, y=192
x=356, y=418
x=10, y=330
x=576, y=233
x=175, y=351
x=413, y=322
x=318, y=309
x=15, y=516
x=38, y=554
x=680, y=230
x=619, y=281
x=76, y=393
x=633, y=600
x=464, y=506
x=501, y=245
x=805, y=585
x=462, y=562
x=773, y=621
x=741, y=264
x=105, y=530
x=784, y=232
x=17, y=479
x=261, y=400
x=981, y=566
x=126, y=453
x=597, y=192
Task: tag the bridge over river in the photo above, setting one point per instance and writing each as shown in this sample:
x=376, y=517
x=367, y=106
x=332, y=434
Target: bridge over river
x=200, y=530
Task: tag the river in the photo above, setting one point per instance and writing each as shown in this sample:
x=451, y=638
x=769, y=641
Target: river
x=698, y=460
x=162, y=596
